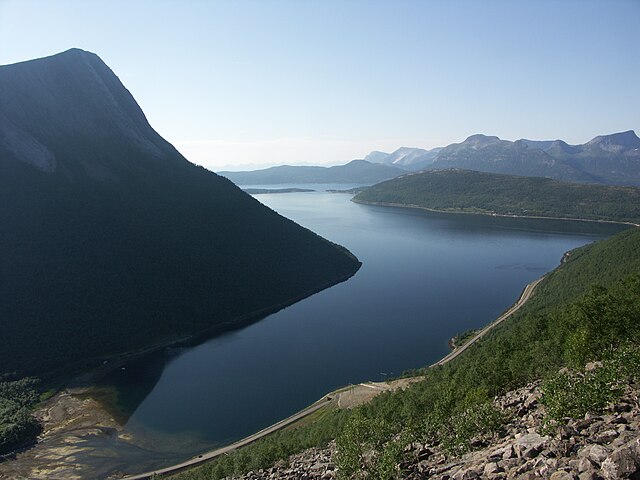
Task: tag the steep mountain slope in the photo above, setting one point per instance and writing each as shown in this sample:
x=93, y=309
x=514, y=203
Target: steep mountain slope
x=356, y=171
x=110, y=240
x=490, y=193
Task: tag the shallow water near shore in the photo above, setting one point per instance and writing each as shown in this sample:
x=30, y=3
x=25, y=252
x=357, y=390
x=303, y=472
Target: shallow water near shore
x=425, y=277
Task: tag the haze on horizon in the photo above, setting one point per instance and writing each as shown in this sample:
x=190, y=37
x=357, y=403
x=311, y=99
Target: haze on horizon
x=247, y=84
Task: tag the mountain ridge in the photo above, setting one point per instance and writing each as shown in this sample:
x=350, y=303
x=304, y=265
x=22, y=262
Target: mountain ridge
x=608, y=159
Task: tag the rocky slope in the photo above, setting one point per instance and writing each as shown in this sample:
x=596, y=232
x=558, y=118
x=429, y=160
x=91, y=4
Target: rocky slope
x=590, y=448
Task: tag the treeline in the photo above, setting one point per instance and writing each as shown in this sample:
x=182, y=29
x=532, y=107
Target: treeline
x=17, y=426
x=587, y=309
x=488, y=193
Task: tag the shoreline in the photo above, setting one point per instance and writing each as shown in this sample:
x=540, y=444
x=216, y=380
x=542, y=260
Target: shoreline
x=330, y=397
x=104, y=424
x=73, y=400
x=526, y=294
x=74, y=376
x=488, y=214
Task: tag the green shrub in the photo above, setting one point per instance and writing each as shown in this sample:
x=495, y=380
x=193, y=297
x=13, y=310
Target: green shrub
x=572, y=394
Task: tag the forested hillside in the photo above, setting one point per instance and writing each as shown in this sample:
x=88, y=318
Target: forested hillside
x=488, y=193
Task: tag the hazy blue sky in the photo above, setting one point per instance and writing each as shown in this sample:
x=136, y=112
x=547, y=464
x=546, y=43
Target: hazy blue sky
x=271, y=82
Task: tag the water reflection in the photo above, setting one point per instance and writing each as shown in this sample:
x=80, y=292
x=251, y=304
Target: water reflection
x=395, y=314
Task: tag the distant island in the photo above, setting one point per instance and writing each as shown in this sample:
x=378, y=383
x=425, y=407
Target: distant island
x=356, y=171
x=466, y=191
x=261, y=191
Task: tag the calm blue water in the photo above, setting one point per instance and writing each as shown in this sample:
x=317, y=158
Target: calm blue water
x=424, y=278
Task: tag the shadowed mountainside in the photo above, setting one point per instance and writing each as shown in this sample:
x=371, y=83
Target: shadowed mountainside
x=112, y=241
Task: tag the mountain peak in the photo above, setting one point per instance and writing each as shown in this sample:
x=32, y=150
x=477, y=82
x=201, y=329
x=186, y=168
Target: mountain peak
x=66, y=56
x=479, y=140
x=616, y=141
x=90, y=106
x=376, y=157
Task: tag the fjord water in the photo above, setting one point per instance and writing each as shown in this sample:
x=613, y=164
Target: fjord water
x=425, y=277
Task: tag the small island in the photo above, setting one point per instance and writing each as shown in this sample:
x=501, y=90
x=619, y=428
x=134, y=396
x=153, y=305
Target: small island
x=261, y=191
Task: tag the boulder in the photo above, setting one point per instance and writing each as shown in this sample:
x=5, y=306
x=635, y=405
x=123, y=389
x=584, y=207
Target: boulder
x=530, y=445
x=623, y=462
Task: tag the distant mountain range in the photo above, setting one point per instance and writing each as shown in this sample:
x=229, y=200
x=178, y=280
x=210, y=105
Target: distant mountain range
x=111, y=241
x=356, y=171
x=609, y=159
x=612, y=159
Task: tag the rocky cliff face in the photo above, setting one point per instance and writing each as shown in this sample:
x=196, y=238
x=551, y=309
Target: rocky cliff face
x=590, y=448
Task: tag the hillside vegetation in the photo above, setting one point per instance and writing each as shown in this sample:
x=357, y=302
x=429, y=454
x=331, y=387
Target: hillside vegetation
x=488, y=193
x=17, y=425
x=587, y=309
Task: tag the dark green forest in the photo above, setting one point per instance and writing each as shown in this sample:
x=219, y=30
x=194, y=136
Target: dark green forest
x=488, y=193
x=587, y=309
x=17, y=425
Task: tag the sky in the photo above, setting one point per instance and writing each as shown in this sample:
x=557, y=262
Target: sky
x=246, y=84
